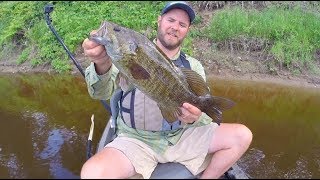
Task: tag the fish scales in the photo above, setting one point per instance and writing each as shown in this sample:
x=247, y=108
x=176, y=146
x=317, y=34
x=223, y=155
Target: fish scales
x=164, y=86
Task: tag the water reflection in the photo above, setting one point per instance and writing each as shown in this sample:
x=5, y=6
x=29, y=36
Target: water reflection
x=285, y=121
x=44, y=125
x=45, y=122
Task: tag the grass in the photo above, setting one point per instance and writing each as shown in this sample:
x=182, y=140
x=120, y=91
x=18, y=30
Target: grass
x=294, y=32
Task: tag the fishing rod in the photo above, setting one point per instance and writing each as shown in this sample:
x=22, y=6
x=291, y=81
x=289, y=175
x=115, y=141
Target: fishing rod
x=47, y=10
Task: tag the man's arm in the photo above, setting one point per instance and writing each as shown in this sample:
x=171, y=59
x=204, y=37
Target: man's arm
x=101, y=86
x=101, y=74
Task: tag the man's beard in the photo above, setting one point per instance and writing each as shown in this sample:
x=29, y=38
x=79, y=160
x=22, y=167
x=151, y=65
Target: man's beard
x=161, y=35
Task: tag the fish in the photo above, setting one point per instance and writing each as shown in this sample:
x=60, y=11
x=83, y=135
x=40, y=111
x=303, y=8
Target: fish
x=149, y=69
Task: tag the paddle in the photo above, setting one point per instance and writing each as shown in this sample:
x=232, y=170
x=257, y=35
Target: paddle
x=90, y=138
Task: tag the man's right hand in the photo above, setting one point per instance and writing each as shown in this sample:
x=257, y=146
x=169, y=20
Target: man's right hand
x=97, y=54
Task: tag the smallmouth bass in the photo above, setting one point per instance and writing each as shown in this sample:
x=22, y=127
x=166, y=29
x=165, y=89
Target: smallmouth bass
x=153, y=73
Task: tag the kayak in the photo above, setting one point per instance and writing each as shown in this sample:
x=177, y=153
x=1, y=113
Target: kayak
x=170, y=170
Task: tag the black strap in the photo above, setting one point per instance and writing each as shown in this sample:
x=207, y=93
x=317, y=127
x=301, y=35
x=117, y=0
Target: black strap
x=182, y=61
x=131, y=109
x=133, y=124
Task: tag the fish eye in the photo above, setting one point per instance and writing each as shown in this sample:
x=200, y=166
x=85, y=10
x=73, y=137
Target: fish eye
x=117, y=29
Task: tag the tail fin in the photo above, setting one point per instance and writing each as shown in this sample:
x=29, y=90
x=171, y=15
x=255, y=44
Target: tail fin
x=215, y=107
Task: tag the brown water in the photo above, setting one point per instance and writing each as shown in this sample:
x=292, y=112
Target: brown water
x=285, y=121
x=45, y=122
x=44, y=125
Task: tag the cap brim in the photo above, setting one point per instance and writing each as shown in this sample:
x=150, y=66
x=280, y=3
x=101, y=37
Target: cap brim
x=182, y=6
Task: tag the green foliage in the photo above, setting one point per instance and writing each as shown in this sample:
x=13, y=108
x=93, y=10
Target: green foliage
x=35, y=62
x=73, y=21
x=60, y=66
x=187, y=46
x=17, y=17
x=24, y=55
x=295, y=33
x=6, y=50
x=197, y=20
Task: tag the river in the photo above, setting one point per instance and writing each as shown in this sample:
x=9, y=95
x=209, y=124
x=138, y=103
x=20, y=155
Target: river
x=45, y=121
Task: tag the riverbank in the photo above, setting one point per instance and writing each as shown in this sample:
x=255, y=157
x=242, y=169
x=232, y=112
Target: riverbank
x=222, y=62
x=229, y=66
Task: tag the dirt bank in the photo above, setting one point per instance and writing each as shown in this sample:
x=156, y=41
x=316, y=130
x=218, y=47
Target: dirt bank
x=242, y=66
x=217, y=64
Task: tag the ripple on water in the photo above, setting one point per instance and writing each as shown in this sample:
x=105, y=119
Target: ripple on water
x=15, y=169
x=254, y=163
x=300, y=171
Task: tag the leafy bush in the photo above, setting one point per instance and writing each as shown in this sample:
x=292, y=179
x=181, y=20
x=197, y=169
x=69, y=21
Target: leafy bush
x=73, y=20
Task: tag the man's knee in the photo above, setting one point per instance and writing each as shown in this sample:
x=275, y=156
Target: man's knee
x=108, y=163
x=244, y=135
x=91, y=170
x=95, y=168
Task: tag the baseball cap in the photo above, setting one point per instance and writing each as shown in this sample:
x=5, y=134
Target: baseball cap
x=181, y=5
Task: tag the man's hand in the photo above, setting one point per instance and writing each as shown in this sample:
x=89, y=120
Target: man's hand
x=97, y=54
x=190, y=113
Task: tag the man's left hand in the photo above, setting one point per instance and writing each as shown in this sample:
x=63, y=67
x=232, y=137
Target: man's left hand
x=190, y=113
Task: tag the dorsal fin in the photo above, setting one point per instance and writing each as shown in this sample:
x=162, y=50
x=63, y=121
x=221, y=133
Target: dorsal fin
x=196, y=82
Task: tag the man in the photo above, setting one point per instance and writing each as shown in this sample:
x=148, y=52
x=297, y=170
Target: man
x=145, y=138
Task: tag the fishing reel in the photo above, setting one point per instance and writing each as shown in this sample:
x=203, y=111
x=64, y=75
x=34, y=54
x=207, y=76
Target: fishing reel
x=48, y=8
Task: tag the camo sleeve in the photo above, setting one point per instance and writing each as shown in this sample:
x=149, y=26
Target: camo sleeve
x=100, y=86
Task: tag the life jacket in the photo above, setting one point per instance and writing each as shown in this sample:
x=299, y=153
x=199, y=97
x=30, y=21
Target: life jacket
x=140, y=112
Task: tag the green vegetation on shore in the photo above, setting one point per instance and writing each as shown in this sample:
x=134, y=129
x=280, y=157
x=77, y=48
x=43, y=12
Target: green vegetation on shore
x=291, y=35
x=294, y=34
